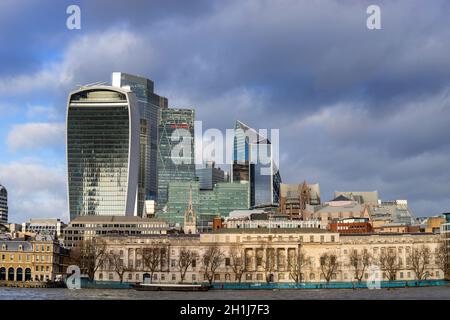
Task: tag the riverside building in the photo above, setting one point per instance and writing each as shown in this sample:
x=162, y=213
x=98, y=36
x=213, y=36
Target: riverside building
x=87, y=227
x=263, y=255
x=40, y=258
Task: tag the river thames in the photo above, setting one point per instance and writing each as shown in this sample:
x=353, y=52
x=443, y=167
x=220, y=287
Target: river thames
x=427, y=293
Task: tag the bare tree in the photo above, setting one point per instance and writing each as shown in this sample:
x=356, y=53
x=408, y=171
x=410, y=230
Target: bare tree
x=359, y=262
x=328, y=265
x=443, y=258
x=269, y=263
x=117, y=264
x=151, y=258
x=237, y=262
x=389, y=263
x=185, y=260
x=89, y=255
x=297, y=263
x=420, y=261
x=211, y=260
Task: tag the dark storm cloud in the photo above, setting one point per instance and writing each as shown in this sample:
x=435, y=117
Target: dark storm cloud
x=357, y=109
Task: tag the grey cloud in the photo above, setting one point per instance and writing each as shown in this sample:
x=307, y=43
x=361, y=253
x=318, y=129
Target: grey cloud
x=356, y=109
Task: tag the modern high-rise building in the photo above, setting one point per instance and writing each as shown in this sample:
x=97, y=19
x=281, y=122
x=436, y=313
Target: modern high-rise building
x=209, y=175
x=103, y=125
x=261, y=173
x=3, y=205
x=220, y=201
x=175, y=150
x=149, y=105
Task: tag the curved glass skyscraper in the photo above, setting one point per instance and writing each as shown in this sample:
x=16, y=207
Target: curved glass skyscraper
x=102, y=151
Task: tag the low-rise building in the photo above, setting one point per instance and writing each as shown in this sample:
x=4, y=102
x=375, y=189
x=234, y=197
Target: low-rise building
x=432, y=224
x=268, y=220
x=35, y=259
x=338, y=208
x=396, y=228
x=351, y=225
x=44, y=226
x=445, y=229
x=295, y=197
x=86, y=227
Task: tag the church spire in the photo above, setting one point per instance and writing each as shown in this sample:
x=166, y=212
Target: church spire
x=190, y=219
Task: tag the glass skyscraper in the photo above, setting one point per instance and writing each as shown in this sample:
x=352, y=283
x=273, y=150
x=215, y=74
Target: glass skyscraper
x=175, y=150
x=263, y=177
x=149, y=105
x=3, y=205
x=221, y=200
x=102, y=151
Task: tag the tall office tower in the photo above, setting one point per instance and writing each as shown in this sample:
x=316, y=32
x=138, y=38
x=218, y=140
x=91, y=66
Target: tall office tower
x=3, y=205
x=248, y=165
x=102, y=151
x=149, y=105
x=175, y=150
x=209, y=176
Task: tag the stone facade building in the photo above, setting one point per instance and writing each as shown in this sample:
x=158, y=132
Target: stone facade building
x=267, y=255
x=38, y=259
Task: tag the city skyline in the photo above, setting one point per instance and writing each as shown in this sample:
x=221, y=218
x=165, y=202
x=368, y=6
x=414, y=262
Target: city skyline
x=375, y=122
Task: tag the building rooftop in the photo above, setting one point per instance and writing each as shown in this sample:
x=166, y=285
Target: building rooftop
x=114, y=219
x=375, y=234
x=270, y=230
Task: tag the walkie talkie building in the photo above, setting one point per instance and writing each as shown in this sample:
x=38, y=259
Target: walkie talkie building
x=102, y=151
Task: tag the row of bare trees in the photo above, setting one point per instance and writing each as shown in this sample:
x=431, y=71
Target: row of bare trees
x=90, y=255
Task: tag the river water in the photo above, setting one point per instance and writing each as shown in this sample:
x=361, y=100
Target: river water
x=425, y=293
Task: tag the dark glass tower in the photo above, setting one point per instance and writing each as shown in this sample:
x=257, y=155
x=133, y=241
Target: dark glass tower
x=3, y=205
x=149, y=105
x=263, y=177
x=175, y=150
x=102, y=151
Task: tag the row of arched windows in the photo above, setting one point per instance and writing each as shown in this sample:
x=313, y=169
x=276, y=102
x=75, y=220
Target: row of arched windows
x=15, y=275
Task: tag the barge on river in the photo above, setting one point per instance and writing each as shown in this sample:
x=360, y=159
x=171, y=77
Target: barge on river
x=171, y=287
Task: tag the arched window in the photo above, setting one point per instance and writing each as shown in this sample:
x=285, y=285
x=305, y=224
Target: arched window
x=19, y=274
x=312, y=276
x=27, y=274
x=2, y=274
x=11, y=274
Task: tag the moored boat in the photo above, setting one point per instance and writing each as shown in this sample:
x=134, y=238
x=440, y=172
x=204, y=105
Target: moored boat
x=171, y=287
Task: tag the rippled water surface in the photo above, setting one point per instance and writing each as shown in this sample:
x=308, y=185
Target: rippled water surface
x=89, y=294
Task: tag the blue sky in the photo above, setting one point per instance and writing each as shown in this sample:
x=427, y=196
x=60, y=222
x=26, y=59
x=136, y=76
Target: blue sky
x=357, y=109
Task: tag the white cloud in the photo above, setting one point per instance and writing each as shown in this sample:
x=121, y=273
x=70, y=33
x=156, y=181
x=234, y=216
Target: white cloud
x=34, y=190
x=49, y=113
x=83, y=60
x=31, y=136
